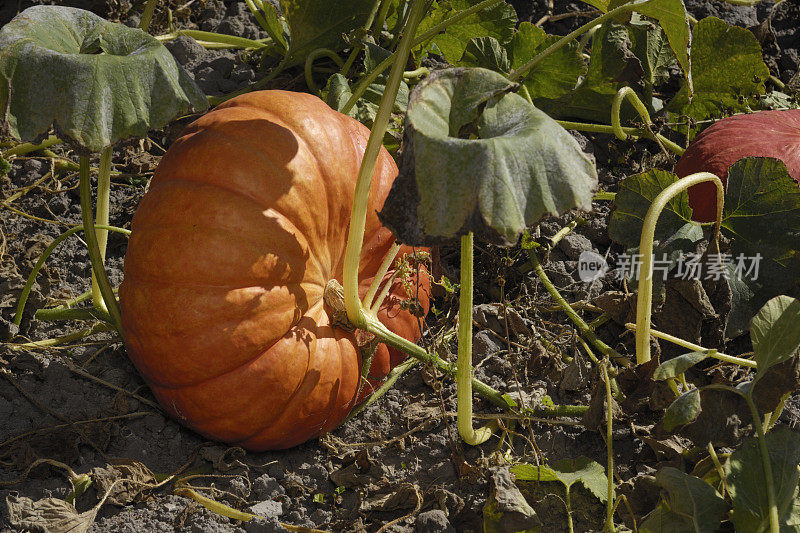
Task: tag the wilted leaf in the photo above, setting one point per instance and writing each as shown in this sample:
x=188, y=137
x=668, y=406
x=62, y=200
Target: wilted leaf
x=590, y=473
x=745, y=476
x=553, y=77
x=678, y=365
x=99, y=82
x=313, y=24
x=727, y=71
x=48, y=515
x=692, y=505
x=684, y=410
x=129, y=480
x=478, y=158
x=498, y=21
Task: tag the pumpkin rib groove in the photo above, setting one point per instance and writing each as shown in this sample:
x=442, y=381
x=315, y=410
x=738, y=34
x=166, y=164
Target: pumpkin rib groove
x=252, y=244
x=254, y=200
x=258, y=352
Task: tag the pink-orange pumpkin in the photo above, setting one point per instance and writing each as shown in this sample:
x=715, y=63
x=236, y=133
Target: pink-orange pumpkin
x=244, y=224
x=762, y=134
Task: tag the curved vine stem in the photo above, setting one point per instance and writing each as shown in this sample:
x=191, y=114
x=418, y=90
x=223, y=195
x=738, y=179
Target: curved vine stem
x=309, y=66
x=101, y=219
x=638, y=132
x=464, y=366
x=644, y=299
x=630, y=95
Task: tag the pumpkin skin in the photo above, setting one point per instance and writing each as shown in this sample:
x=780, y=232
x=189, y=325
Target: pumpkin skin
x=773, y=134
x=243, y=225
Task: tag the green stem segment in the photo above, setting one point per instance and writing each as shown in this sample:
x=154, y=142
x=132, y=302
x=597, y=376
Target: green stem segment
x=147, y=15
x=774, y=519
x=358, y=215
x=101, y=219
x=95, y=257
x=464, y=365
x=309, y=66
x=636, y=132
x=644, y=300
x=584, y=329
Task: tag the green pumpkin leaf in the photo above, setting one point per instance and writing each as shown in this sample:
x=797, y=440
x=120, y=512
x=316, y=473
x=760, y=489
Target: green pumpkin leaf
x=486, y=52
x=671, y=15
x=568, y=471
x=691, y=505
x=315, y=24
x=498, y=21
x=761, y=201
x=96, y=81
x=775, y=332
x=479, y=158
x=684, y=410
x=613, y=65
x=745, y=477
x=651, y=46
x=678, y=365
x=556, y=75
x=728, y=72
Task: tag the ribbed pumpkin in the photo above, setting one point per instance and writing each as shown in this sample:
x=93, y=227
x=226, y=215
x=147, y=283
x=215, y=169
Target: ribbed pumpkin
x=762, y=134
x=244, y=224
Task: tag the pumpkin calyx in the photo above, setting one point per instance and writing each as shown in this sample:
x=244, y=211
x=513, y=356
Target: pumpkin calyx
x=334, y=299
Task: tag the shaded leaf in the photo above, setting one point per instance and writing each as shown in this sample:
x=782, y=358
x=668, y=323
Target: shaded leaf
x=486, y=52
x=745, y=476
x=478, y=158
x=556, y=75
x=684, y=410
x=97, y=81
x=568, y=471
x=613, y=65
x=728, y=72
x=313, y=24
x=498, y=21
x=651, y=46
x=691, y=505
x=775, y=332
x=678, y=365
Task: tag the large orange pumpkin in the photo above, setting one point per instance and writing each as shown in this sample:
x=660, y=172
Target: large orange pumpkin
x=244, y=224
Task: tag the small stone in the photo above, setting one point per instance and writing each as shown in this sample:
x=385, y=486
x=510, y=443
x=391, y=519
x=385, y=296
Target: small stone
x=185, y=49
x=485, y=343
x=267, y=508
x=573, y=244
x=506, y=508
x=434, y=521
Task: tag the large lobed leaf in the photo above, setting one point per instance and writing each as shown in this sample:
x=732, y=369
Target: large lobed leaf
x=317, y=24
x=96, y=81
x=728, y=72
x=477, y=157
x=692, y=505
